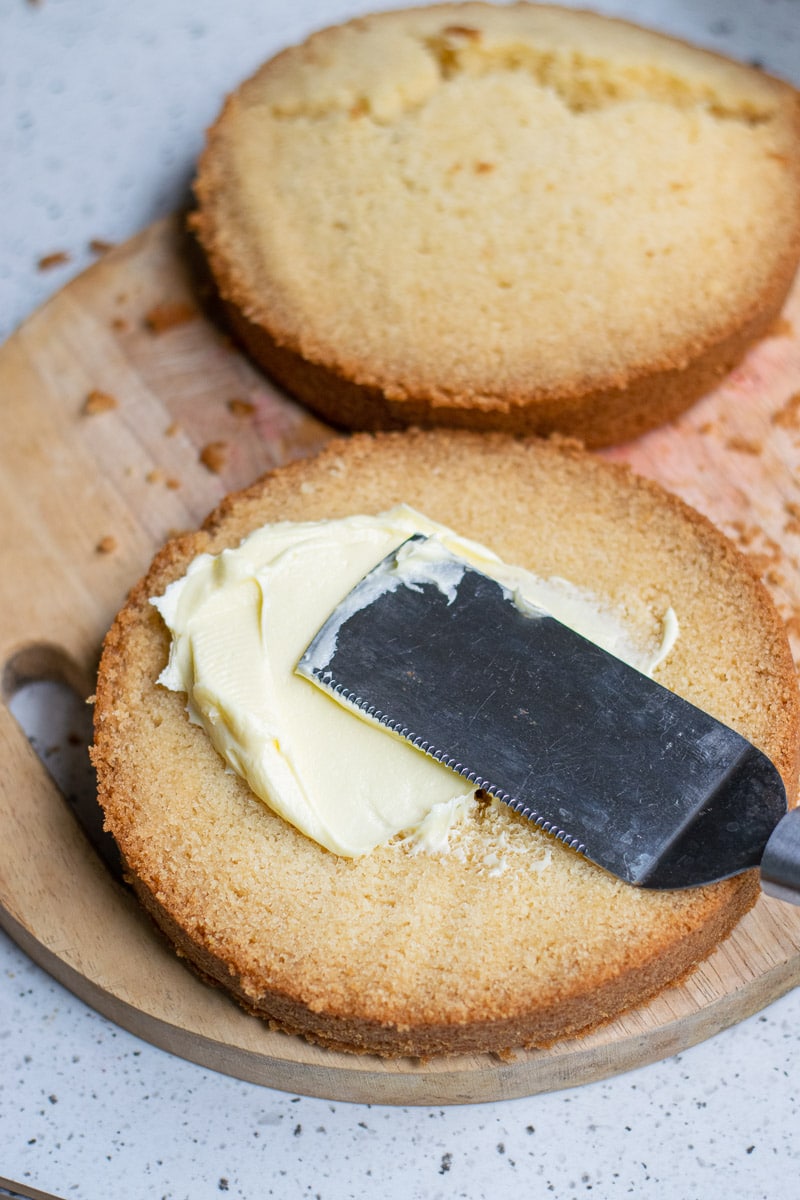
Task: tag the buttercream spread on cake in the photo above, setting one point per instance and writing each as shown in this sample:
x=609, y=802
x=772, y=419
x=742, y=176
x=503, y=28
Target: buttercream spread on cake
x=240, y=621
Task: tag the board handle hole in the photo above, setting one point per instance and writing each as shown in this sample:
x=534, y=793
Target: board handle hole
x=46, y=694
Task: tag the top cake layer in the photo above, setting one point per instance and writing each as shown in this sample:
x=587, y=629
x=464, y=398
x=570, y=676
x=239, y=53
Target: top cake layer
x=516, y=217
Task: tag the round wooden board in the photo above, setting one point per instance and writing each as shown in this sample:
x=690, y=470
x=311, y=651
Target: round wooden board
x=89, y=496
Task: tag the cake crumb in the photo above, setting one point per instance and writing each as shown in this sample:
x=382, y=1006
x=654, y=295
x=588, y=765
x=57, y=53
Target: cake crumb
x=120, y=324
x=172, y=483
x=106, y=545
x=172, y=429
x=761, y=563
x=789, y=415
x=214, y=456
x=163, y=317
x=782, y=328
x=99, y=402
x=743, y=445
x=241, y=408
x=56, y=258
x=156, y=475
x=100, y=246
x=744, y=534
x=792, y=523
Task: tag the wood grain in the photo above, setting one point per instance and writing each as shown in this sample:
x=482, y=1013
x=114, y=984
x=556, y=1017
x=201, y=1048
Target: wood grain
x=87, y=496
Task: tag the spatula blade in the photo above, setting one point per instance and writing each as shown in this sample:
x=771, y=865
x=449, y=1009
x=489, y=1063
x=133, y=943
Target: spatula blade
x=610, y=762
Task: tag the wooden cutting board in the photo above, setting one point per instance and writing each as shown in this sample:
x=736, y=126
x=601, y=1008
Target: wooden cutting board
x=177, y=417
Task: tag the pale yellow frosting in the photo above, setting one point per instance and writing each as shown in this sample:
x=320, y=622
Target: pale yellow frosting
x=241, y=620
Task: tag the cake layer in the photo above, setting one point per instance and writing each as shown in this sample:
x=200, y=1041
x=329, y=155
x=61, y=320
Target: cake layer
x=501, y=217
x=495, y=936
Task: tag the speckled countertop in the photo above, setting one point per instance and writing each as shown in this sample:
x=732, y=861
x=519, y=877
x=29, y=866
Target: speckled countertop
x=102, y=113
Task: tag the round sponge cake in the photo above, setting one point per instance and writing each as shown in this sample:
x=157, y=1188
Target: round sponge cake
x=516, y=217
x=505, y=937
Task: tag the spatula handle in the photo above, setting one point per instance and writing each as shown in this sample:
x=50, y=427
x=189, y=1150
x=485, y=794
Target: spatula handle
x=780, y=863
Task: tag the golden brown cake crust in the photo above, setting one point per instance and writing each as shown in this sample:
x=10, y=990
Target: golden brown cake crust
x=400, y=953
x=566, y=258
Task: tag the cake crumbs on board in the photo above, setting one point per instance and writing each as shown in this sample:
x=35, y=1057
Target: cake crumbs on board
x=214, y=456
x=788, y=416
x=241, y=408
x=169, y=314
x=98, y=401
x=743, y=445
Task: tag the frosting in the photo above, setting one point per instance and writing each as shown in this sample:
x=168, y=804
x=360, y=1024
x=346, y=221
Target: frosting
x=241, y=620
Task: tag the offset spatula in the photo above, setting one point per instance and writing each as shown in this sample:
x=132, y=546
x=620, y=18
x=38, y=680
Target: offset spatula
x=597, y=754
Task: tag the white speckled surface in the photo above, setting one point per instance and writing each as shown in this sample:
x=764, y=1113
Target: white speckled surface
x=102, y=112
